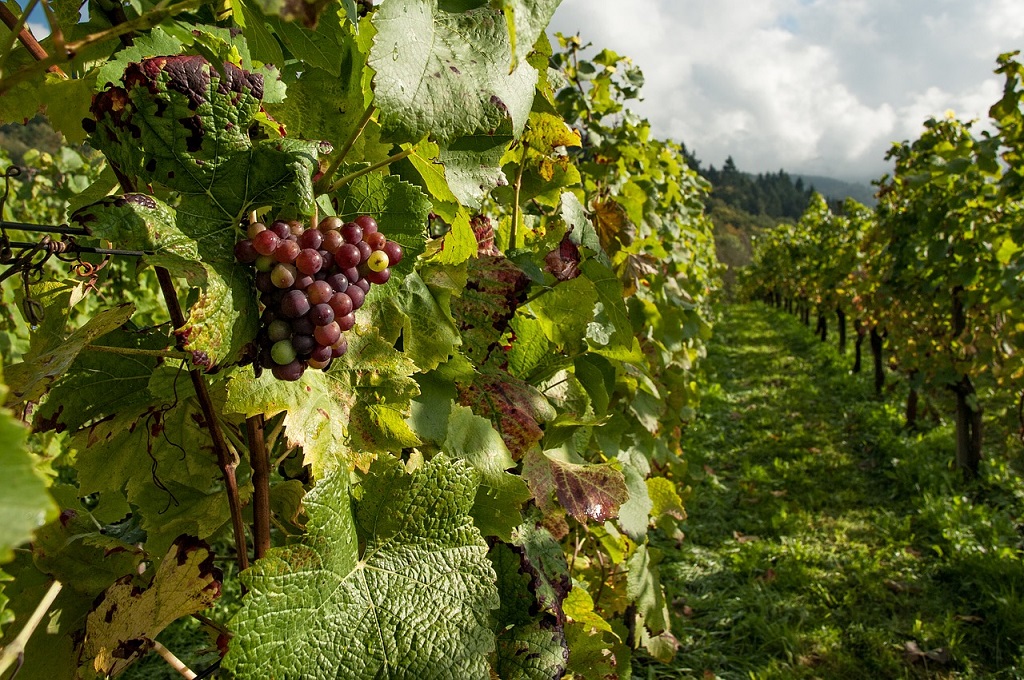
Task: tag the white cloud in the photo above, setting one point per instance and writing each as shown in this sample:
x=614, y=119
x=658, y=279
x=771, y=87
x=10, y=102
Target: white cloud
x=812, y=86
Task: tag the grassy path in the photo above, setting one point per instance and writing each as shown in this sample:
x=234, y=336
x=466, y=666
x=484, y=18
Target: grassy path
x=823, y=542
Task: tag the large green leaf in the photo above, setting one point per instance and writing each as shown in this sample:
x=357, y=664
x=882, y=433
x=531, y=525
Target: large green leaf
x=396, y=585
x=26, y=505
x=446, y=73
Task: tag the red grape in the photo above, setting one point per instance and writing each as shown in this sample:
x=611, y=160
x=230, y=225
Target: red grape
x=329, y=334
x=368, y=224
x=394, y=251
x=309, y=261
x=265, y=242
x=352, y=232
x=294, y=304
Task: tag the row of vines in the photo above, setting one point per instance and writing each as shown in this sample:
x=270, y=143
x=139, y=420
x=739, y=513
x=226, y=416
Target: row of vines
x=468, y=491
x=933, y=274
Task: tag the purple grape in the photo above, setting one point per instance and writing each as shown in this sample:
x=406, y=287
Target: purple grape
x=338, y=282
x=329, y=334
x=303, y=326
x=352, y=233
x=245, y=252
x=341, y=303
x=311, y=238
x=309, y=261
x=319, y=291
x=290, y=372
x=266, y=242
x=348, y=256
x=378, y=278
x=321, y=353
x=294, y=304
x=287, y=251
x=281, y=228
x=264, y=284
x=345, y=322
x=303, y=344
x=321, y=314
x=394, y=251
x=332, y=241
x=357, y=295
x=368, y=224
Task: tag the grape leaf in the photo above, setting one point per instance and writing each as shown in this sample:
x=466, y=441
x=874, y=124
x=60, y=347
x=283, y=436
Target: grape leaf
x=446, y=73
x=544, y=560
x=158, y=453
x=634, y=514
x=586, y=491
x=125, y=621
x=565, y=312
x=26, y=505
x=500, y=494
x=472, y=166
x=515, y=408
x=428, y=332
x=342, y=417
x=100, y=384
x=529, y=647
x=29, y=380
x=493, y=292
x=400, y=584
x=644, y=590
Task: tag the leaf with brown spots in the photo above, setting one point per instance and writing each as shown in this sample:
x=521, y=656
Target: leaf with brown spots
x=126, y=620
x=514, y=408
x=586, y=491
x=493, y=292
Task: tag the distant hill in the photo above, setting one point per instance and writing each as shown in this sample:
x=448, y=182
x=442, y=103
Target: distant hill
x=838, y=190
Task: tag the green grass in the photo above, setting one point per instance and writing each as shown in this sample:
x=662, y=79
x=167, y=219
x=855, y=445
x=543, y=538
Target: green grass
x=823, y=541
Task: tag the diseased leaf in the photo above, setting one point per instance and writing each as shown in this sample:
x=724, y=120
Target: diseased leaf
x=587, y=492
x=126, y=620
x=515, y=408
x=529, y=646
x=400, y=584
x=544, y=560
x=493, y=292
x=182, y=124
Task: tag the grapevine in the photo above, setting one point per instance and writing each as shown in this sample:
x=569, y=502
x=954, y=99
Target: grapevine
x=389, y=311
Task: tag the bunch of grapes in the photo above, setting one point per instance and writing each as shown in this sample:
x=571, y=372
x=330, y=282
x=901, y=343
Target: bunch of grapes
x=311, y=282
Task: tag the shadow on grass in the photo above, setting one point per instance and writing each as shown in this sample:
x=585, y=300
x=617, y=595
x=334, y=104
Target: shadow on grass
x=825, y=543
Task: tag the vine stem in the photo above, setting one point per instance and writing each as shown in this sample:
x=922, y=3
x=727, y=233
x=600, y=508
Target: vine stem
x=376, y=166
x=146, y=21
x=349, y=143
x=131, y=351
x=173, y=661
x=26, y=38
x=14, y=652
x=517, y=187
x=225, y=460
x=260, y=461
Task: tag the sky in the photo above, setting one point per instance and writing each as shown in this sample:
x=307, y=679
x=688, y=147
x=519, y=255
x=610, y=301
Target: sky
x=816, y=87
